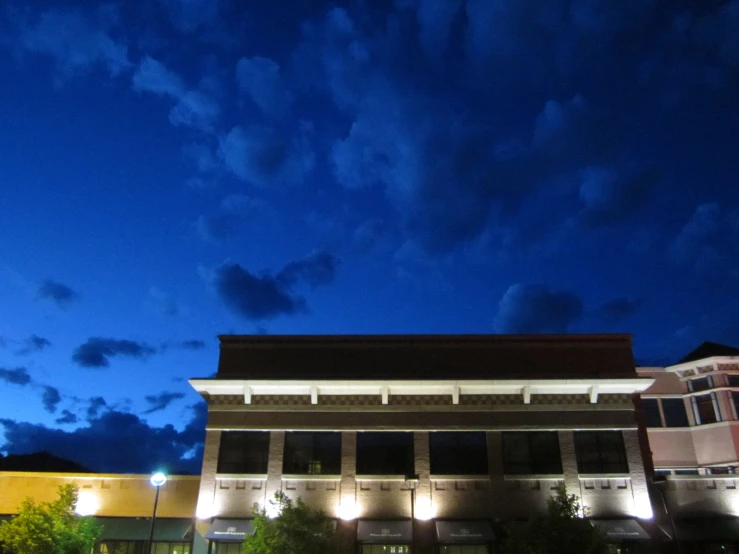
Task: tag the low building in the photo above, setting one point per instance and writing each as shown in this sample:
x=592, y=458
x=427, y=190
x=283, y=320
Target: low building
x=422, y=443
x=122, y=504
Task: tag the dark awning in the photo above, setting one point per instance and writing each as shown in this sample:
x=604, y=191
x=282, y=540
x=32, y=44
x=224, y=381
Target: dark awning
x=708, y=529
x=137, y=529
x=229, y=530
x=465, y=531
x=621, y=529
x=385, y=531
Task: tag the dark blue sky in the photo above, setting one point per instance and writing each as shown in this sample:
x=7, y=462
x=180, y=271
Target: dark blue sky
x=175, y=169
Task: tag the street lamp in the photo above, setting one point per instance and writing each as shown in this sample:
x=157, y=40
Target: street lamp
x=157, y=480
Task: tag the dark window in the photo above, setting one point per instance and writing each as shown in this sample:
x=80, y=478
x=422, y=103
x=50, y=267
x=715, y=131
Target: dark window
x=732, y=380
x=600, y=452
x=721, y=470
x=651, y=412
x=703, y=407
x=458, y=453
x=139, y=547
x=662, y=472
x=697, y=385
x=675, y=414
x=385, y=453
x=531, y=453
x=686, y=472
x=312, y=453
x=243, y=452
x=735, y=402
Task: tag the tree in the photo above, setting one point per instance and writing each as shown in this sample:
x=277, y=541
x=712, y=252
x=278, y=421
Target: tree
x=294, y=528
x=562, y=529
x=50, y=527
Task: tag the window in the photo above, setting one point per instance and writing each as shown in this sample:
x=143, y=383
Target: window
x=675, y=414
x=228, y=547
x=171, y=548
x=121, y=547
x=697, y=385
x=721, y=470
x=309, y=453
x=385, y=453
x=243, y=452
x=531, y=453
x=732, y=380
x=652, y=417
x=458, y=453
x=139, y=547
x=704, y=408
x=735, y=403
x=600, y=452
x=686, y=472
x=662, y=472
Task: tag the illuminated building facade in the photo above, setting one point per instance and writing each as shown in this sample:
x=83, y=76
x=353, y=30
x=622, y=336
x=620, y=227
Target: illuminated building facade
x=691, y=415
x=423, y=442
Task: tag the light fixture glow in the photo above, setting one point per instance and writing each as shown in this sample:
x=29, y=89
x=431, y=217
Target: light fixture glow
x=158, y=479
x=424, y=509
x=347, y=509
x=643, y=508
x=87, y=504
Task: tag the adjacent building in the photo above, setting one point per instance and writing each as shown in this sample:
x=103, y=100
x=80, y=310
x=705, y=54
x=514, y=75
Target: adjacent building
x=692, y=421
x=423, y=443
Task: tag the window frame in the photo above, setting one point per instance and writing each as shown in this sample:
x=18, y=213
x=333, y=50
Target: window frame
x=673, y=401
x=694, y=400
x=363, y=463
x=601, y=440
x=536, y=461
x=646, y=411
x=317, y=450
x=227, y=462
x=464, y=452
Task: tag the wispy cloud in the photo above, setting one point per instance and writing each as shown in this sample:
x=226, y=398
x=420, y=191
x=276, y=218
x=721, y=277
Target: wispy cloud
x=59, y=293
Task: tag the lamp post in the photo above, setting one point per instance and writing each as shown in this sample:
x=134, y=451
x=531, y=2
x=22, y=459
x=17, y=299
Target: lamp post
x=412, y=481
x=157, y=480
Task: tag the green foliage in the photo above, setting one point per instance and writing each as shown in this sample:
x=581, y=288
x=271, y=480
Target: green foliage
x=297, y=528
x=563, y=529
x=50, y=527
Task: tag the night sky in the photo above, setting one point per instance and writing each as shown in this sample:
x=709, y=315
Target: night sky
x=171, y=170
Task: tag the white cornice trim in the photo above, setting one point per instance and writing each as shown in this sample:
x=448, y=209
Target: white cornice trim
x=453, y=388
x=702, y=363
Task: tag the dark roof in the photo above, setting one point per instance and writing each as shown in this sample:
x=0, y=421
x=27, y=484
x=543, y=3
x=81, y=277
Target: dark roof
x=425, y=357
x=709, y=349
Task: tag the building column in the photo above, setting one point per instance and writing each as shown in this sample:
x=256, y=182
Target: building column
x=274, y=466
x=569, y=462
x=348, y=510
x=642, y=503
x=422, y=465
x=206, y=495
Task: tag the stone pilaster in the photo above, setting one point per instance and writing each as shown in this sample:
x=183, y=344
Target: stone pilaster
x=569, y=462
x=642, y=504
x=274, y=465
x=206, y=496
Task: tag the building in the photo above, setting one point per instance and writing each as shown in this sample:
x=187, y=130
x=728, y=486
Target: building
x=423, y=443
x=122, y=504
x=691, y=415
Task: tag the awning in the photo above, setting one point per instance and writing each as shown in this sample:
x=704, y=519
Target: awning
x=621, y=529
x=137, y=529
x=708, y=529
x=234, y=530
x=398, y=531
x=464, y=531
